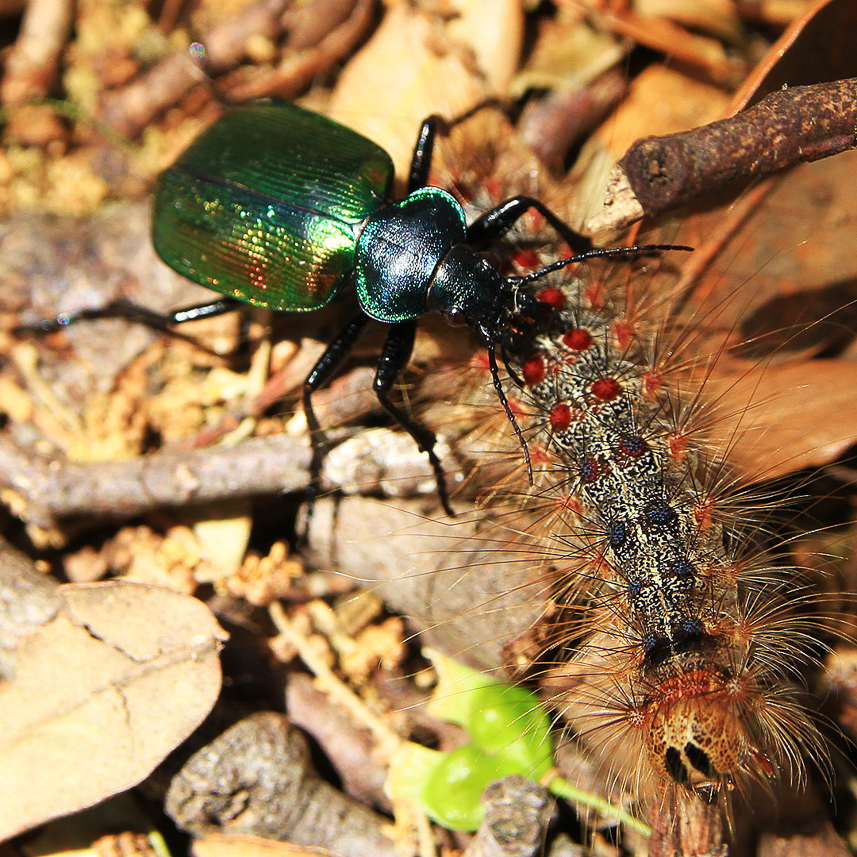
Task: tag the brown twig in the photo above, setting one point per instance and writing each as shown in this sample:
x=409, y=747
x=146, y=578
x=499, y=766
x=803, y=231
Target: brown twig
x=301, y=63
x=257, y=778
x=44, y=490
x=658, y=174
x=551, y=126
x=131, y=108
x=33, y=62
x=347, y=744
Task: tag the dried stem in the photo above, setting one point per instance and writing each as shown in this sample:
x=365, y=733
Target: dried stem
x=43, y=490
x=658, y=174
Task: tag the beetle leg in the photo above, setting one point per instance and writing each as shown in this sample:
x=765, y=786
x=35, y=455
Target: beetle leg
x=394, y=356
x=194, y=313
x=132, y=312
x=516, y=378
x=490, y=341
x=423, y=149
x=322, y=372
x=418, y=175
x=499, y=220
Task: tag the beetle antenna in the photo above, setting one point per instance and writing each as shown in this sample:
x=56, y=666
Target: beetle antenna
x=495, y=377
x=601, y=252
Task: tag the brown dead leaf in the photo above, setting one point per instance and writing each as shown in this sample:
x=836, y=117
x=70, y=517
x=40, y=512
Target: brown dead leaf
x=664, y=36
x=777, y=419
x=718, y=18
x=661, y=101
x=440, y=67
x=819, y=46
x=769, y=279
x=218, y=845
x=790, y=240
x=100, y=695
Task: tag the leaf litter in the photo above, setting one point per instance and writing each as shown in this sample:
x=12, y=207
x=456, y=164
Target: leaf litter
x=168, y=394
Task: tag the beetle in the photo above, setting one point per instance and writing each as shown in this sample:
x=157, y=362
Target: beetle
x=280, y=207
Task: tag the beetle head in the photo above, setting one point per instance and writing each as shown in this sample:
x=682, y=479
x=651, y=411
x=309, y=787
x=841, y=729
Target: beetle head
x=467, y=289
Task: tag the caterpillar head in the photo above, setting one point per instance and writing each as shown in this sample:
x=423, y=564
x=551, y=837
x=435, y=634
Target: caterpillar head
x=696, y=733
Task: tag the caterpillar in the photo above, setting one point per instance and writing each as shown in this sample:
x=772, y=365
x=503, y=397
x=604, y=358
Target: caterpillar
x=682, y=667
x=661, y=632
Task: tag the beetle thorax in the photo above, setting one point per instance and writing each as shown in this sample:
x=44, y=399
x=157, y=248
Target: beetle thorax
x=399, y=250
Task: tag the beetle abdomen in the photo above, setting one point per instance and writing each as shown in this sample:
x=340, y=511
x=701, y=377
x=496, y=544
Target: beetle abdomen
x=265, y=206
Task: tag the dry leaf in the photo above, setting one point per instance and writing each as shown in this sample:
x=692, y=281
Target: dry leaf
x=820, y=45
x=100, y=695
x=799, y=415
x=661, y=101
x=218, y=845
x=436, y=71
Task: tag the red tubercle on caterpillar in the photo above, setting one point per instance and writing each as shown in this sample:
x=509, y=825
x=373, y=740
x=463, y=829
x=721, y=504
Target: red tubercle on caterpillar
x=594, y=295
x=526, y=258
x=676, y=446
x=533, y=371
x=601, y=565
x=578, y=339
x=536, y=219
x=624, y=333
x=573, y=504
x=540, y=455
x=653, y=383
x=730, y=572
x=492, y=186
x=561, y=417
x=480, y=362
x=553, y=297
x=606, y=389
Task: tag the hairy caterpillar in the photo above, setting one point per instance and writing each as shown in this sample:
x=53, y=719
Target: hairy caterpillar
x=603, y=650
x=688, y=643
x=668, y=640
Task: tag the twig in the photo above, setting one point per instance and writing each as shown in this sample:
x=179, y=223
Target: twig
x=257, y=779
x=134, y=106
x=33, y=62
x=658, y=174
x=43, y=490
x=327, y=681
x=300, y=66
x=387, y=740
